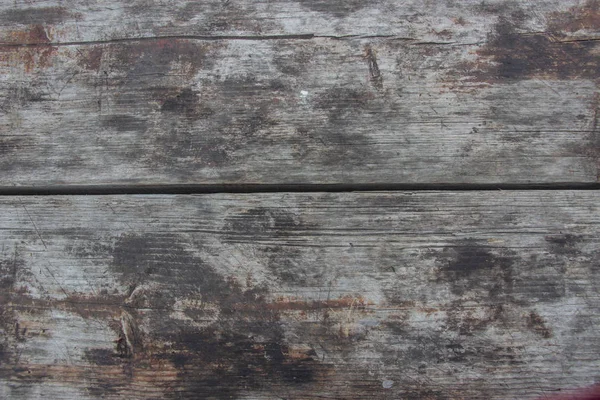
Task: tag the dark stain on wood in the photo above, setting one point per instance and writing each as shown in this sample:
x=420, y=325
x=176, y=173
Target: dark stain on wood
x=226, y=17
x=149, y=59
x=124, y=123
x=292, y=60
x=538, y=325
x=398, y=324
x=335, y=8
x=261, y=223
x=103, y=357
x=188, y=103
x=471, y=266
x=446, y=348
x=228, y=109
x=237, y=93
x=470, y=322
x=18, y=96
x=283, y=264
x=585, y=17
x=564, y=244
x=342, y=143
x=183, y=144
x=10, y=146
x=591, y=147
x=11, y=269
x=243, y=347
x=231, y=338
x=339, y=101
x=512, y=55
x=550, y=286
x=248, y=86
x=39, y=15
x=6, y=323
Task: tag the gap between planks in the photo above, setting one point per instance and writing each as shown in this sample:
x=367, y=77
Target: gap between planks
x=274, y=188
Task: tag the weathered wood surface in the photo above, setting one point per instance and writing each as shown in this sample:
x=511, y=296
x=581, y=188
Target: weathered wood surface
x=166, y=92
x=431, y=21
x=430, y=295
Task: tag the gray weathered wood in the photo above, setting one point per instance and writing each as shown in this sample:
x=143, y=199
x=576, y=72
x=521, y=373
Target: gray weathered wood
x=223, y=93
x=430, y=295
x=430, y=21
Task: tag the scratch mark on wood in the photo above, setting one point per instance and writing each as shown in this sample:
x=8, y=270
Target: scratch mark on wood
x=33, y=223
x=374, y=73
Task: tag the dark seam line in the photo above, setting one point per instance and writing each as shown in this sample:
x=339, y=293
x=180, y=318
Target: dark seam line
x=156, y=38
x=279, y=188
x=306, y=36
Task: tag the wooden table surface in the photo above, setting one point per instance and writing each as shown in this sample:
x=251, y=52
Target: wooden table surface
x=299, y=199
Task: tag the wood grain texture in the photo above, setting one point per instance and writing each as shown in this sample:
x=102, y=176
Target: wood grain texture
x=430, y=295
x=430, y=21
x=298, y=92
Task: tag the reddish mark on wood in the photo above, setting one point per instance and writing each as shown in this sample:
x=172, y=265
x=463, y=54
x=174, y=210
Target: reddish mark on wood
x=29, y=57
x=586, y=17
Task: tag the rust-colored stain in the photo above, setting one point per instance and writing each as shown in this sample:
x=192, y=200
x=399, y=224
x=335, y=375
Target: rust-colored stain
x=538, y=325
x=91, y=59
x=34, y=34
x=30, y=57
x=586, y=17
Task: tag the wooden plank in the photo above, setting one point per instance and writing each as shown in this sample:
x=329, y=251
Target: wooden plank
x=457, y=21
x=462, y=93
x=429, y=295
